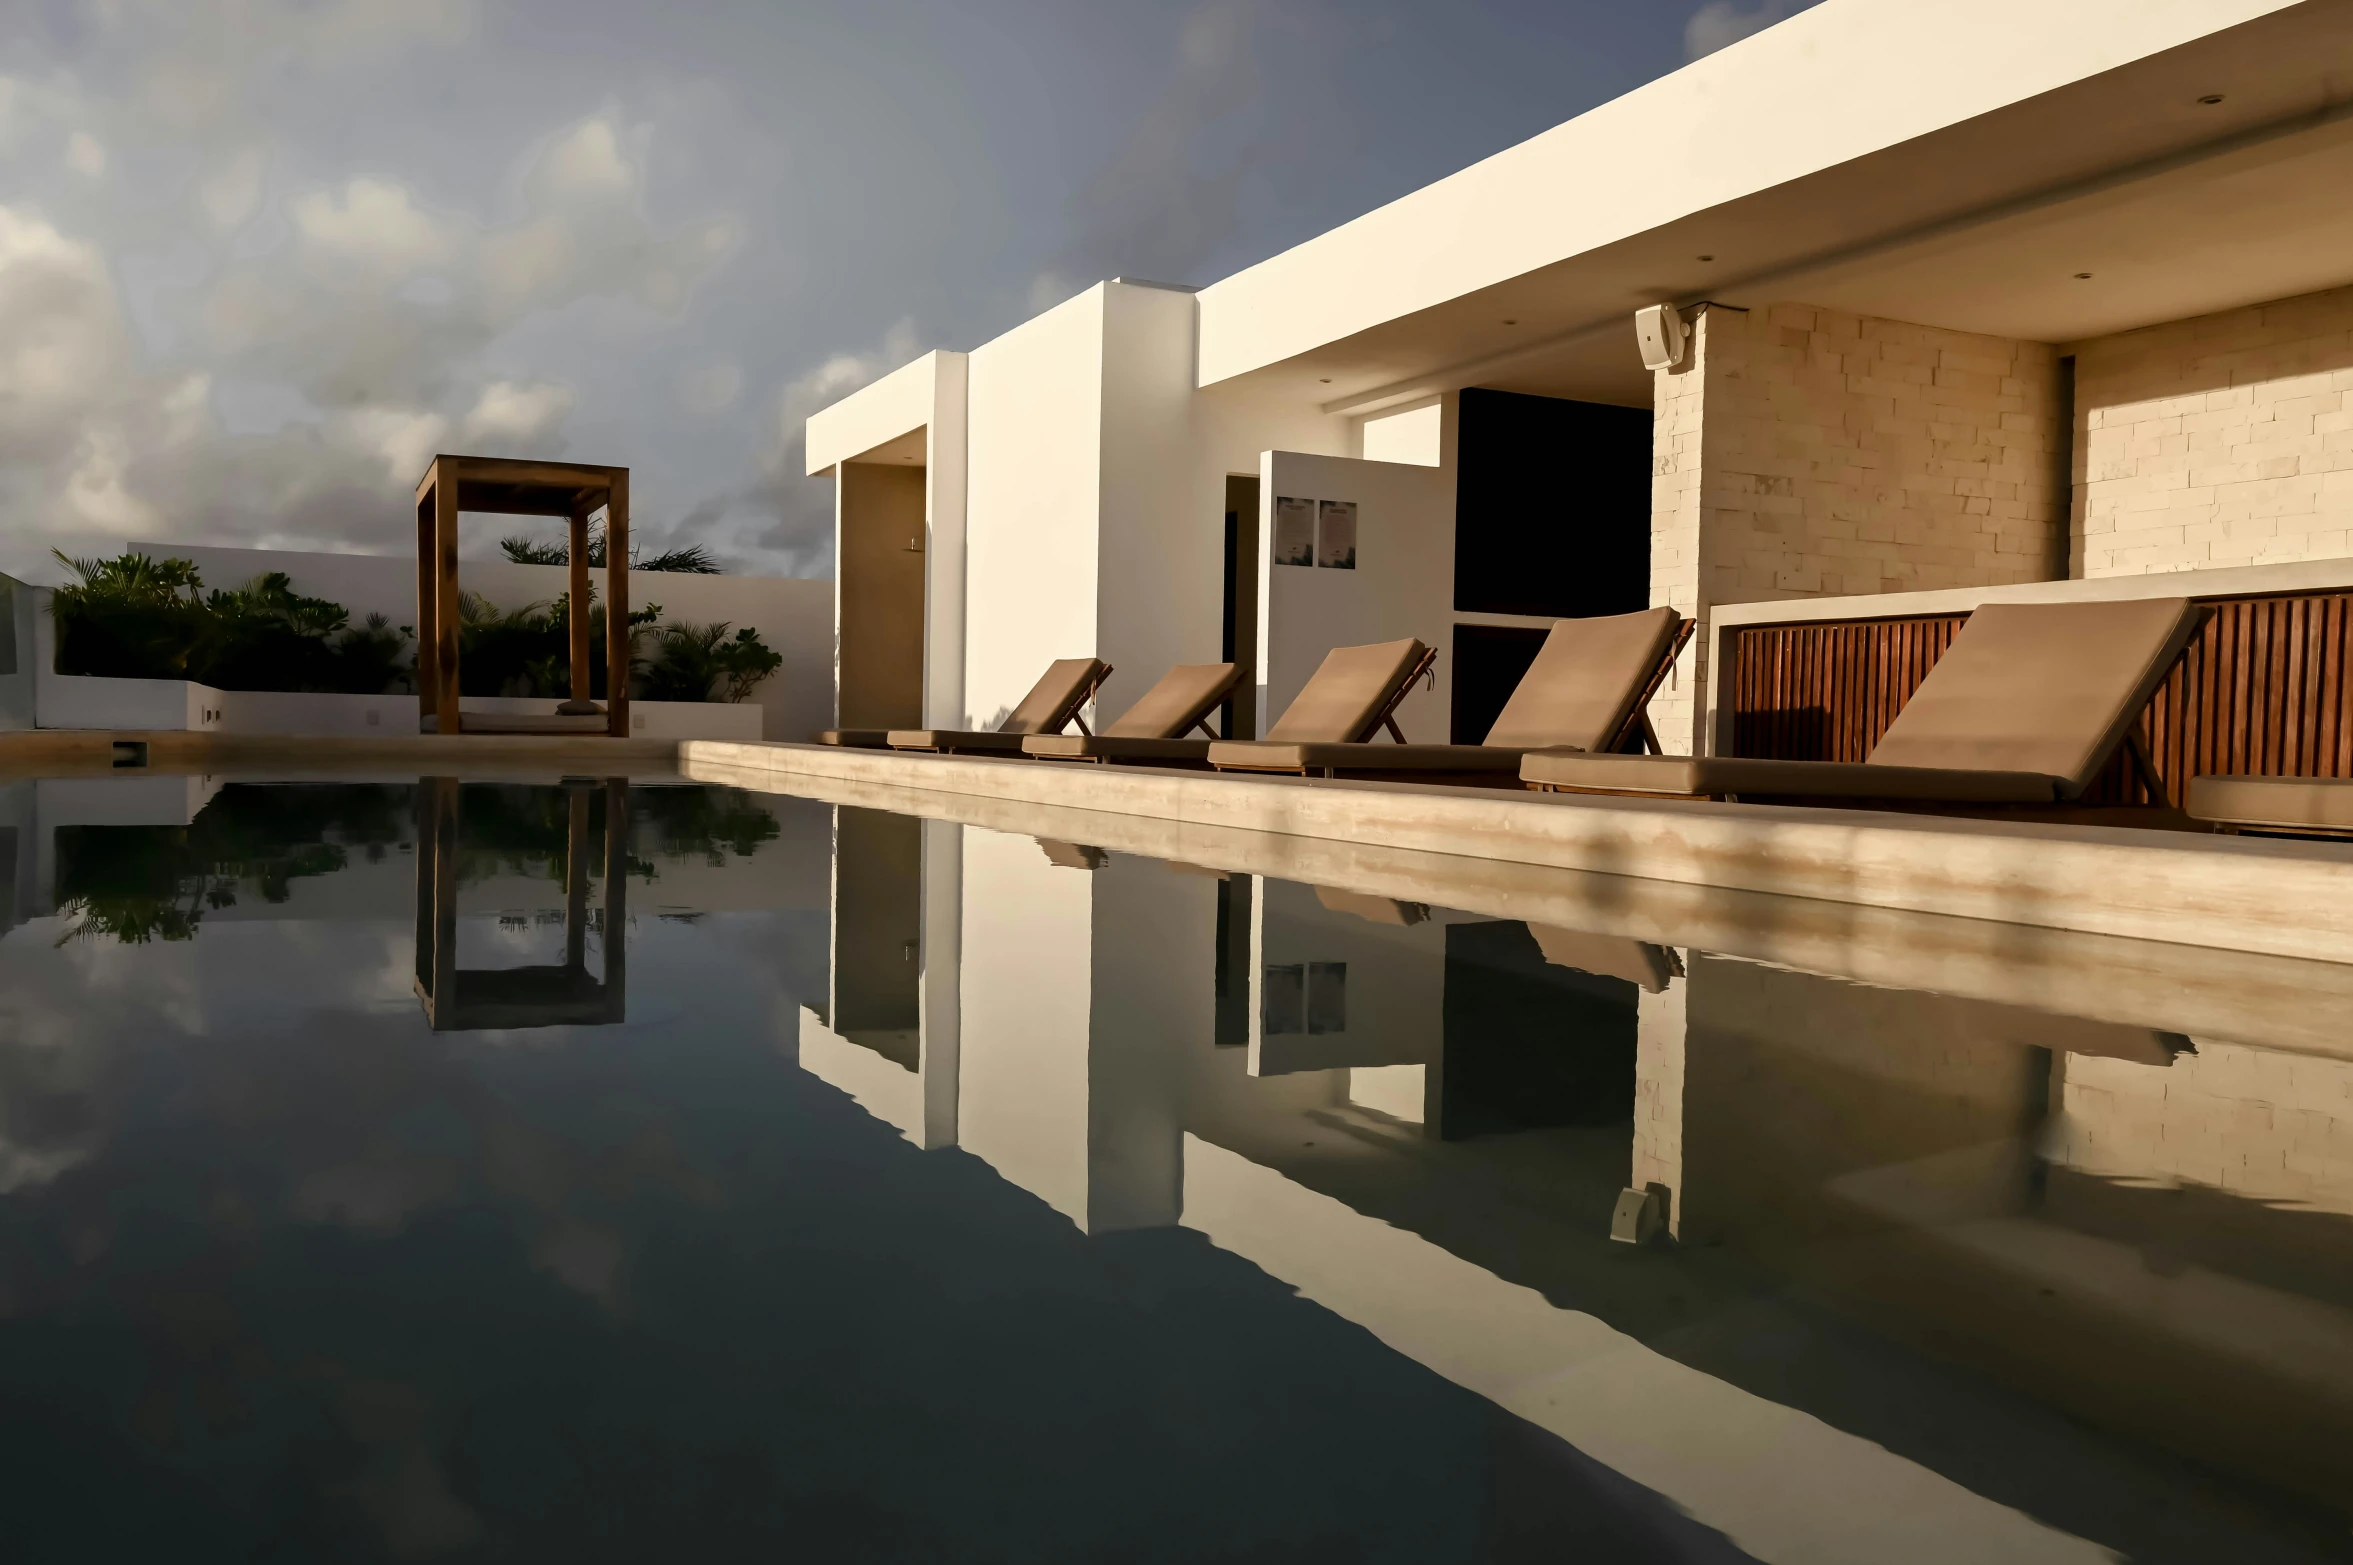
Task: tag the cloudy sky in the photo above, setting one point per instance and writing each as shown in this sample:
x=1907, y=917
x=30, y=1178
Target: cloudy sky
x=260, y=258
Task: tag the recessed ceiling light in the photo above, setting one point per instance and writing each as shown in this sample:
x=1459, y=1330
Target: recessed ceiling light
x=1512, y=321
x=2083, y=277
x=1707, y=258
x=2211, y=99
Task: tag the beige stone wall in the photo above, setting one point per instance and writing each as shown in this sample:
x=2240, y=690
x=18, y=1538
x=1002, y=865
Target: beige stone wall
x=2276, y=1128
x=1802, y=452
x=2223, y=440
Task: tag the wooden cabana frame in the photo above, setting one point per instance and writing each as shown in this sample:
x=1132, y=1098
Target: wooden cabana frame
x=501, y=486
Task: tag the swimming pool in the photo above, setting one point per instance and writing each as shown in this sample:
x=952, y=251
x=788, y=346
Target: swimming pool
x=620, y=1168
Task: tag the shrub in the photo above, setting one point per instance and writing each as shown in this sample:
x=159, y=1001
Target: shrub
x=136, y=618
x=701, y=663
x=687, y=559
x=130, y=618
x=528, y=651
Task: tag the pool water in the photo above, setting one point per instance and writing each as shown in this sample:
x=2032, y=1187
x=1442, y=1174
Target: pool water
x=610, y=1170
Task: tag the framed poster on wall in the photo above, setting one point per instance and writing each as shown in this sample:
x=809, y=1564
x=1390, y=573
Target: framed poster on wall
x=1294, y=531
x=1336, y=535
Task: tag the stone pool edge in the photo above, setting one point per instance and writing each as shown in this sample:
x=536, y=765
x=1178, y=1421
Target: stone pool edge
x=2274, y=897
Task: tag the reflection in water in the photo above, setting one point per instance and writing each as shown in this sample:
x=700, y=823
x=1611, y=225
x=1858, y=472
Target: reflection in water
x=542, y=995
x=942, y=1193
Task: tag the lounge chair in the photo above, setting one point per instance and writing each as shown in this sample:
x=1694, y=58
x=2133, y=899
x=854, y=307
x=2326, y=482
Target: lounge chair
x=2285, y=806
x=1586, y=690
x=2025, y=707
x=1069, y=683
x=1352, y=695
x=1154, y=729
x=856, y=738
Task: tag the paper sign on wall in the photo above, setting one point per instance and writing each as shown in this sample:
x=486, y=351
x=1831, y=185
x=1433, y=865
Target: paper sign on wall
x=1294, y=531
x=1336, y=535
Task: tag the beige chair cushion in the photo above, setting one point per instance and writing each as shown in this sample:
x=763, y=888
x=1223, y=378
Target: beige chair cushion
x=2040, y=687
x=1373, y=909
x=1606, y=956
x=1704, y=776
x=1585, y=681
x=1270, y=755
x=1342, y=698
x=856, y=738
x=1112, y=747
x=2316, y=804
x=1182, y=698
x=954, y=739
x=1055, y=699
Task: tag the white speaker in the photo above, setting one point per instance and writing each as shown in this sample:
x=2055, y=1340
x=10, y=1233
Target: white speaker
x=1659, y=331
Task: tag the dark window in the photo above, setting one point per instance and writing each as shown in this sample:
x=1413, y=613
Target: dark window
x=1552, y=506
x=1488, y=663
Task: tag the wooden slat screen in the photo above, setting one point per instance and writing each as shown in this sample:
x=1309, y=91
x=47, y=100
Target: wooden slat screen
x=2262, y=689
x=1827, y=692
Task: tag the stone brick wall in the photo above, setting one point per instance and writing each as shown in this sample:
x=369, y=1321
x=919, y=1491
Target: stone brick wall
x=2271, y=1127
x=1803, y=452
x=2222, y=440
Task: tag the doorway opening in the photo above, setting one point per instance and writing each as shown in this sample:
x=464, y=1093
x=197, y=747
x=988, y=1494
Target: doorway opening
x=1238, y=717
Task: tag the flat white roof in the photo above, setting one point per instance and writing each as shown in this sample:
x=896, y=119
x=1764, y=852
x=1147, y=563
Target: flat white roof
x=1848, y=151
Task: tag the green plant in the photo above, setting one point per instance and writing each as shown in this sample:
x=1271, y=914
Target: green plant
x=692, y=559
x=130, y=617
x=135, y=884
x=702, y=663
x=527, y=651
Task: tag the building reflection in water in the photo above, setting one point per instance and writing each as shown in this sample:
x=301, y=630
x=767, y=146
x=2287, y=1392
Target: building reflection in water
x=1426, y=1120
x=564, y=994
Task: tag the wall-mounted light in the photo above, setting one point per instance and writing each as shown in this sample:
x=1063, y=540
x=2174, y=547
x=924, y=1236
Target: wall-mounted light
x=1660, y=333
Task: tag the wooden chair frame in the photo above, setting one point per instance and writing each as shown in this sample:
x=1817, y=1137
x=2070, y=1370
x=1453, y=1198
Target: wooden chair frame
x=1636, y=731
x=1387, y=716
x=571, y=490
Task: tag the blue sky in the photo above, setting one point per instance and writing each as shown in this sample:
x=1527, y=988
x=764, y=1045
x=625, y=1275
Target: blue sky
x=258, y=258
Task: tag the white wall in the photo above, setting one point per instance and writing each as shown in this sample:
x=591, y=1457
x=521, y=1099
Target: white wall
x=1403, y=584
x=1026, y=1002
x=1032, y=503
x=946, y=440
x=793, y=616
x=1395, y=984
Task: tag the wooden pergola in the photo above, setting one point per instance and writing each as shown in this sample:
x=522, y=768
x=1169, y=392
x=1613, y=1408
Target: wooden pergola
x=500, y=486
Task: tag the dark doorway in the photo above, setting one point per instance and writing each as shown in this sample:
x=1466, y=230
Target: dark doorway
x=1488, y=663
x=1530, y=1046
x=1552, y=507
x=1238, y=717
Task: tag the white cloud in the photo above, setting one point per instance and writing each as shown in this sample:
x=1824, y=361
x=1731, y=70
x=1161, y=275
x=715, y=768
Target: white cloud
x=514, y=415
x=404, y=440
x=374, y=226
x=64, y=345
x=1720, y=23
x=85, y=156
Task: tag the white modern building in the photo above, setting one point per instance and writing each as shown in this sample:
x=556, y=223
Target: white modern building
x=1981, y=298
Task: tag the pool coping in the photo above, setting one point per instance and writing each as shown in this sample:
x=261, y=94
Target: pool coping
x=2267, y=896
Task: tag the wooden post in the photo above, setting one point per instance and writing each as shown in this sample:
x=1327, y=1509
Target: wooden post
x=428, y=642
x=617, y=605
x=616, y=893
x=581, y=702
x=445, y=595
x=437, y=899
x=576, y=879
